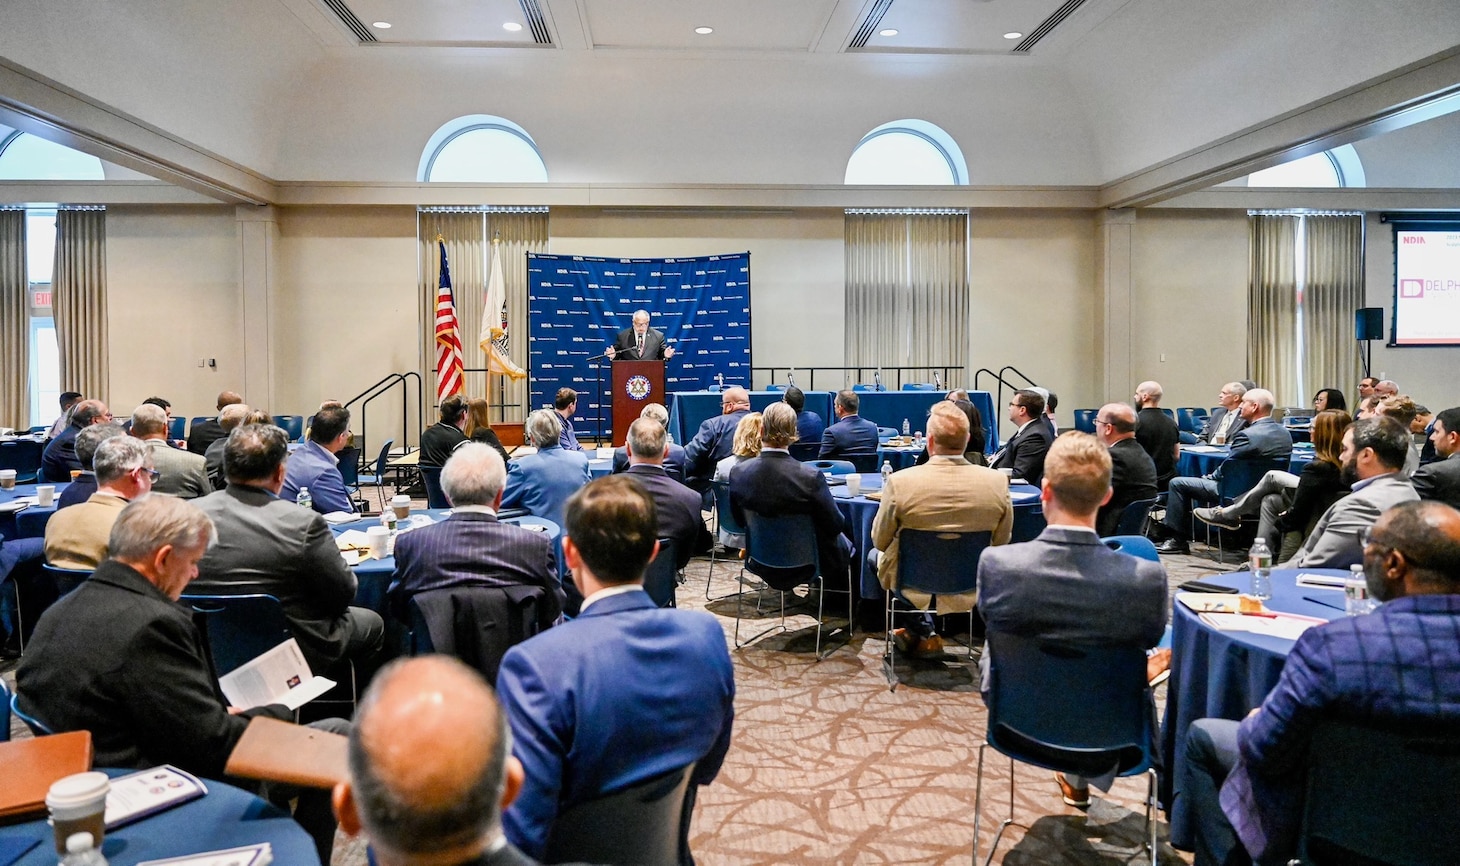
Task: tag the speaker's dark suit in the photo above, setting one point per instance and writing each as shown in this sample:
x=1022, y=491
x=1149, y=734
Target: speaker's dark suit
x=1439, y=480
x=851, y=434
x=1025, y=452
x=626, y=347
x=776, y=485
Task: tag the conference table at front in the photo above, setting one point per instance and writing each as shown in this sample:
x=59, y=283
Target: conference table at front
x=29, y=522
x=1224, y=674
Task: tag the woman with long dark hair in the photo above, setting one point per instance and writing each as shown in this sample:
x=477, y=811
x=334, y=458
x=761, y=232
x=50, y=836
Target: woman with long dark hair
x=1329, y=398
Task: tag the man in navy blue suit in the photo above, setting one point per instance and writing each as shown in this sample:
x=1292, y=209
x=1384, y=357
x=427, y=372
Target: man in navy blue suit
x=809, y=426
x=677, y=506
x=715, y=439
x=851, y=434
x=625, y=692
x=58, y=459
x=542, y=482
x=673, y=461
x=471, y=547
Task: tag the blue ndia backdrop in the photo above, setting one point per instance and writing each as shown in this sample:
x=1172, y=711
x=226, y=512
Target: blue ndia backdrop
x=576, y=305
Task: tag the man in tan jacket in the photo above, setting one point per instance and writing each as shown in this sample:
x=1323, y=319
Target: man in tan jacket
x=76, y=537
x=946, y=494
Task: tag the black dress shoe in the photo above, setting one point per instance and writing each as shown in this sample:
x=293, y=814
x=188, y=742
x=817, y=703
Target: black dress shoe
x=1173, y=545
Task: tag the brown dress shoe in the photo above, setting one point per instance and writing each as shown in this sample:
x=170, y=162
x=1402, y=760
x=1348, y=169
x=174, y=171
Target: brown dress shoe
x=1077, y=797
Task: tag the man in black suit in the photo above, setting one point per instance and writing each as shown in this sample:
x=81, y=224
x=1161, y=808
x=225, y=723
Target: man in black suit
x=1441, y=479
x=1157, y=433
x=677, y=506
x=673, y=462
x=776, y=485
x=640, y=343
x=1132, y=472
x=1226, y=421
x=58, y=459
x=715, y=439
x=210, y=431
x=117, y=657
x=87, y=441
x=1025, y=452
x=471, y=547
x=851, y=434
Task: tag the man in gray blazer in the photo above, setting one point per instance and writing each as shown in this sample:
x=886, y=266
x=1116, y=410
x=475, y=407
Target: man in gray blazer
x=180, y=473
x=1225, y=420
x=268, y=545
x=1066, y=585
x=1374, y=450
x=1440, y=479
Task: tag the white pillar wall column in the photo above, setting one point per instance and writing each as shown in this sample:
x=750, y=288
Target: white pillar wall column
x=1116, y=281
x=258, y=235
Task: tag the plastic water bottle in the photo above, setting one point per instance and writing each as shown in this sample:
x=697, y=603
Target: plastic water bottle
x=886, y=471
x=304, y=500
x=1356, y=592
x=1259, y=559
x=81, y=851
x=906, y=428
x=388, y=519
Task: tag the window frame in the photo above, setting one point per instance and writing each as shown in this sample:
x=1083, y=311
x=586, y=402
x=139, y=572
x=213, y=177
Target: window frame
x=930, y=133
x=454, y=129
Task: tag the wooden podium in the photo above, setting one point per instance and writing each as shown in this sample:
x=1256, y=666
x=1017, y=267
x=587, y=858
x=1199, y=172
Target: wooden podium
x=635, y=385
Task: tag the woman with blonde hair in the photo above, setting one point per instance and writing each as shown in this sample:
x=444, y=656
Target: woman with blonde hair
x=745, y=446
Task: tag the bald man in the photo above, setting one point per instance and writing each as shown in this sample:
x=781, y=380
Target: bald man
x=415, y=802
x=715, y=438
x=1132, y=471
x=210, y=431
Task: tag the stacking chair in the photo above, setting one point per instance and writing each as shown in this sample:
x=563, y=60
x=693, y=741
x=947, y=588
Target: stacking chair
x=293, y=426
x=1084, y=420
x=435, y=496
x=885, y=433
x=1378, y=797
x=176, y=428
x=864, y=463
x=835, y=467
x=1191, y=419
x=376, y=477
x=37, y=727
x=781, y=551
x=237, y=628
x=805, y=451
x=1238, y=477
x=725, y=520
x=1133, y=518
x=199, y=419
x=65, y=579
x=661, y=578
x=646, y=824
x=24, y=456
x=937, y=563
x=476, y=624
x=349, y=463
x=1071, y=708
x=4, y=712
x=1138, y=546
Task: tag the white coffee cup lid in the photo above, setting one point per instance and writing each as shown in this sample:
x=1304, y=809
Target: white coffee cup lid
x=400, y=499
x=7, y=473
x=78, y=788
x=377, y=530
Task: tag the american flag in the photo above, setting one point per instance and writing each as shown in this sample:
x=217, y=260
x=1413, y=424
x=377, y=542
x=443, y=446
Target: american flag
x=450, y=377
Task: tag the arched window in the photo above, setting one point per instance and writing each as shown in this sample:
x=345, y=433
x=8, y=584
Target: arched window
x=480, y=148
x=26, y=157
x=907, y=153
x=1339, y=167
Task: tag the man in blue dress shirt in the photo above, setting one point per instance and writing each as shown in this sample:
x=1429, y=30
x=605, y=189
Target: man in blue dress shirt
x=565, y=404
x=542, y=482
x=851, y=434
x=315, y=465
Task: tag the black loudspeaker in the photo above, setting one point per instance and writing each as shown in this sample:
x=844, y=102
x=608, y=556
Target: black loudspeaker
x=1369, y=323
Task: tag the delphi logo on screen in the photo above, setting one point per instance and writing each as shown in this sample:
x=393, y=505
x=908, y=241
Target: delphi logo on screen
x=1411, y=288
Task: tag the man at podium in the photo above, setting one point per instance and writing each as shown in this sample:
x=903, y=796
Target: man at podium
x=640, y=342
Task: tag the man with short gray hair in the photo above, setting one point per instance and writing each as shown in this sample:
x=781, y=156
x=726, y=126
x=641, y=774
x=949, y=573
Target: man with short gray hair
x=673, y=464
x=542, y=482
x=715, y=439
x=59, y=460
x=180, y=473
x=233, y=415
x=87, y=441
x=1386, y=388
x=76, y=537
x=472, y=547
x=640, y=342
x=677, y=506
x=1225, y=420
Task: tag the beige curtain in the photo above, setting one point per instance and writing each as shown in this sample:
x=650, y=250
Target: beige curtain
x=906, y=291
x=14, y=323
x=78, y=301
x=1272, y=307
x=519, y=234
x=1333, y=289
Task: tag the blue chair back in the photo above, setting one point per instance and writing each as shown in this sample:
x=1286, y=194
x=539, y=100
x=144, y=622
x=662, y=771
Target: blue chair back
x=805, y=451
x=199, y=419
x=1068, y=707
x=1085, y=420
x=237, y=628
x=66, y=580
x=293, y=426
x=860, y=387
x=37, y=727
x=885, y=433
x=776, y=387
x=835, y=467
x=781, y=548
x=940, y=563
x=645, y=823
x=24, y=456
x=349, y=458
x=1133, y=518
x=435, y=496
x=1170, y=413
x=1191, y=419
x=661, y=578
x=918, y=386
x=4, y=712
x=177, y=428
x=381, y=461
x=1240, y=476
x=864, y=463
x=723, y=513
x=1138, y=546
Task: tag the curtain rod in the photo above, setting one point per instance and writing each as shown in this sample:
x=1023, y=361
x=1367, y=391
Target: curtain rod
x=908, y=211
x=482, y=209
x=1304, y=212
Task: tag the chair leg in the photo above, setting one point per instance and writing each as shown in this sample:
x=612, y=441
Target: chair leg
x=740, y=600
x=978, y=810
x=1151, y=812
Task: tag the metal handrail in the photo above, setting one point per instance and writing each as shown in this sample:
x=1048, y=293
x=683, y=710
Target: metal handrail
x=999, y=377
x=382, y=387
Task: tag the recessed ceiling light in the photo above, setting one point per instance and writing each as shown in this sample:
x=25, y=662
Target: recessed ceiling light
x=380, y=25
x=888, y=32
x=511, y=26
x=704, y=31
x=1014, y=34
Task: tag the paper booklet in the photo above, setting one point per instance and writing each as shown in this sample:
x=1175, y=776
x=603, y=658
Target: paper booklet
x=148, y=792
x=279, y=676
x=1321, y=581
x=249, y=855
x=1283, y=625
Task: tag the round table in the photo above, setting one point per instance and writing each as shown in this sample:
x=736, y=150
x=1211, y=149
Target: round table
x=373, y=575
x=226, y=817
x=31, y=521
x=600, y=466
x=1224, y=674
x=1199, y=460
x=900, y=456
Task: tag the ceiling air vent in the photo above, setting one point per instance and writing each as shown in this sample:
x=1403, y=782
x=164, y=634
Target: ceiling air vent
x=348, y=18
x=869, y=24
x=1054, y=20
x=533, y=13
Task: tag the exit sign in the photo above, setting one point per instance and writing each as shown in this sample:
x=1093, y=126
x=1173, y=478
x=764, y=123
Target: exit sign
x=42, y=299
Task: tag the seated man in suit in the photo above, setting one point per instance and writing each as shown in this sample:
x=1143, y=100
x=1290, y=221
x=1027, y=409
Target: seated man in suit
x=1132, y=471
x=677, y=506
x=441, y=438
x=809, y=425
x=1397, y=668
x=206, y=433
x=472, y=547
x=1225, y=420
x=268, y=545
x=231, y=418
x=640, y=342
x=1373, y=457
x=1259, y=438
x=1025, y=452
x=119, y=658
x=715, y=439
x=565, y=404
x=179, y=473
x=1066, y=585
x=59, y=460
x=76, y=537
x=673, y=464
x=68, y=401
x=416, y=803
x=1440, y=480
x=776, y=485
x=851, y=434
x=542, y=482
x=1403, y=410
x=946, y=494
x=1157, y=432
x=87, y=441
x=625, y=692
x=315, y=465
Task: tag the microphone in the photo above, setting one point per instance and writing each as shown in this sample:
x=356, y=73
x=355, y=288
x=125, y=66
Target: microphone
x=791, y=377
x=937, y=381
x=720, y=380
x=597, y=357
x=877, y=379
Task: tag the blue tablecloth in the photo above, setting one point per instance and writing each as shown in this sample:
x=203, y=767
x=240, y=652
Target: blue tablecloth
x=689, y=409
x=31, y=522
x=1223, y=674
x=860, y=512
x=599, y=467
x=226, y=817
x=1199, y=460
x=373, y=575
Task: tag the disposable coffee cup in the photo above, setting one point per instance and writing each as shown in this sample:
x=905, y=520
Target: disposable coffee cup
x=401, y=505
x=7, y=478
x=78, y=805
x=854, y=483
x=379, y=538
x=45, y=494
x=75, y=474
x=1008, y=472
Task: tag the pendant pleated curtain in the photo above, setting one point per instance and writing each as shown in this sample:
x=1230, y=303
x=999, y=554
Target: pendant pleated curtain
x=1272, y=307
x=520, y=234
x=1333, y=289
x=78, y=301
x=906, y=291
x=14, y=323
